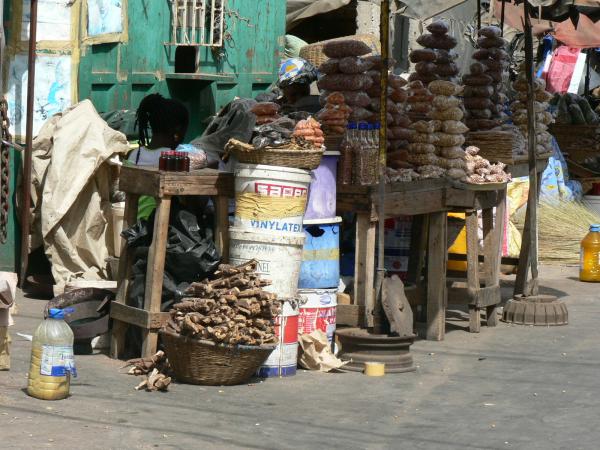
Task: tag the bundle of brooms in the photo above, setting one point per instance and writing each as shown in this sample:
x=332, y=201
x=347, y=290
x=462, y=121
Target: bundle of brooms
x=562, y=226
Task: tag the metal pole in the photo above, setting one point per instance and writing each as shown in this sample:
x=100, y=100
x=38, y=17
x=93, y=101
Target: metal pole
x=26, y=192
x=532, y=289
x=384, y=31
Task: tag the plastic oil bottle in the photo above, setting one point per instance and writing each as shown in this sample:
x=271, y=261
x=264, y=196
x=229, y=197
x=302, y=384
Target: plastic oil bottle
x=589, y=265
x=52, y=361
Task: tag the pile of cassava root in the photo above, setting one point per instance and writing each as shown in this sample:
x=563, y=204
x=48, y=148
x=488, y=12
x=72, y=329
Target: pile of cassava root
x=231, y=309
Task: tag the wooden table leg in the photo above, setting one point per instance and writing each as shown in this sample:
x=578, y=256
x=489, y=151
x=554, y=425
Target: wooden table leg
x=155, y=271
x=493, y=238
x=117, y=338
x=472, y=225
x=436, y=276
x=364, y=267
x=222, y=227
x=416, y=262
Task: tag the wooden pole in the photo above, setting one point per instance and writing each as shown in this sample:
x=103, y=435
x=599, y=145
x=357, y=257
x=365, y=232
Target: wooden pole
x=479, y=14
x=26, y=186
x=384, y=34
x=532, y=289
x=502, y=11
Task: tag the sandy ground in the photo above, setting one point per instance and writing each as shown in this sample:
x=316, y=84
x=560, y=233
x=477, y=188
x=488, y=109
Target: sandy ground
x=509, y=387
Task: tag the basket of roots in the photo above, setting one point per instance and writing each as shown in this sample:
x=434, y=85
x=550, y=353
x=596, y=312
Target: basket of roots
x=224, y=330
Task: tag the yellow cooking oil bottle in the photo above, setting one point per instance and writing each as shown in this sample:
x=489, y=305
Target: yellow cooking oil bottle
x=589, y=265
x=52, y=361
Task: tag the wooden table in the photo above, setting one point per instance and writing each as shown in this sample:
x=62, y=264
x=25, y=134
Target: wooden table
x=434, y=199
x=136, y=181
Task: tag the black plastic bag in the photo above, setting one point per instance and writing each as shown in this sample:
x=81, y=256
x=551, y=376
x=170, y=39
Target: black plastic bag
x=191, y=254
x=274, y=134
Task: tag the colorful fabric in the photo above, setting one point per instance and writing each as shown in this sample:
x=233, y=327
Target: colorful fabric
x=296, y=71
x=555, y=179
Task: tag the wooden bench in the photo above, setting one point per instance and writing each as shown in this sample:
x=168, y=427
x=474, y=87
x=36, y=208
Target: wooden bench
x=136, y=181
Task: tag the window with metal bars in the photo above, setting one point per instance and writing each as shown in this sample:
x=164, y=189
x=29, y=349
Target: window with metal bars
x=197, y=23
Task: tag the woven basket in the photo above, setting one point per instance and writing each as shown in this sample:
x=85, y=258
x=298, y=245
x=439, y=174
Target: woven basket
x=579, y=141
x=307, y=159
x=313, y=53
x=498, y=146
x=197, y=361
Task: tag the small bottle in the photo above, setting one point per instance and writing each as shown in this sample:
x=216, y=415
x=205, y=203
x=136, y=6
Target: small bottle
x=589, y=265
x=52, y=361
x=171, y=161
x=347, y=153
x=186, y=162
x=361, y=151
x=179, y=162
x=162, y=161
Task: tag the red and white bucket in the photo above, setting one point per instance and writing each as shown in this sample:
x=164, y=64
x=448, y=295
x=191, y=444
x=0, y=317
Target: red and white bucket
x=317, y=311
x=284, y=359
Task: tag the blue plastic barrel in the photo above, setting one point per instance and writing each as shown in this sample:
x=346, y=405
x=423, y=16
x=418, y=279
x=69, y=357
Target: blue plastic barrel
x=320, y=267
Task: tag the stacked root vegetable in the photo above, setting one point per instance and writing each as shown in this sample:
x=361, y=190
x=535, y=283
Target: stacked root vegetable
x=334, y=116
x=421, y=134
x=448, y=130
x=265, y=112
x=483, y=96
x=346, y=72
x=233, y=308
x=309, y=130
x=542, y=116
x=436, y=61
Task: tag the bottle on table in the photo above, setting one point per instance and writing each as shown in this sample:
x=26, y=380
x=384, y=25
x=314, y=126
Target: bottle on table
x=589, y=264
x=347, y=154
x=52, y=360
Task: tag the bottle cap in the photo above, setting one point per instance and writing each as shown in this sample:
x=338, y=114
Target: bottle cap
x=363, y=126
x=352, y=125
x=370, y=126
x=595, y=227
x=377, y=125
x=56, y=313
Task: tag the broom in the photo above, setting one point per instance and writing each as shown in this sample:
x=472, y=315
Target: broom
x=562, y=226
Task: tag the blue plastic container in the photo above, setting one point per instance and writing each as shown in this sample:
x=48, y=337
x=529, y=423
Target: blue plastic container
x=320, y=267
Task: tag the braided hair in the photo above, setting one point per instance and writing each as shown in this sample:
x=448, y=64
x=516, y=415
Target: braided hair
x=162, y=116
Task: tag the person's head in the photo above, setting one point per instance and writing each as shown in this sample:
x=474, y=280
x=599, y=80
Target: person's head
x=167, y=118
x=295, y=77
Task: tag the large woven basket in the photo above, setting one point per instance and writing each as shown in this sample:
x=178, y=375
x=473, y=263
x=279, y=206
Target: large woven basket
x=197, y=361
x=498, y=145
x=307, y=159
x=313, y=53
x=579, y=141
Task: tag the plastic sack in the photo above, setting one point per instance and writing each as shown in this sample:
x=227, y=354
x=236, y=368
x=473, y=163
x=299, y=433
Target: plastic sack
x=274, y=134
x=191, y=254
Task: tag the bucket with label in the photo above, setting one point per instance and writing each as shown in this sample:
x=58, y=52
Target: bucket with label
x=317, y=311
x=320, y=267
x=270, y=198
x=322, y=199
x=282, y=362
x=397, y=245
x=278, y=255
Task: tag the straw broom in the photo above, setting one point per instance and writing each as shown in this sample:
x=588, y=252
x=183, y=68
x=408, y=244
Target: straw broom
x=562, y=226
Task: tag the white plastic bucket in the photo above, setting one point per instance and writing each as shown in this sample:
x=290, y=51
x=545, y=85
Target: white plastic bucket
x=317, y=311
x=279, y=257
x=118, y=214
x=592, y=202
x=270, y=198
x=284, y=359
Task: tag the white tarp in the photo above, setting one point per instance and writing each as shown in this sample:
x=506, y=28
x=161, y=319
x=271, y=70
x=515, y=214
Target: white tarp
x=70, y=192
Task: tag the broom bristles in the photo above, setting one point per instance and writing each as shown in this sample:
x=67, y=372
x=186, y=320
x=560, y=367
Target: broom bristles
x=562, y=226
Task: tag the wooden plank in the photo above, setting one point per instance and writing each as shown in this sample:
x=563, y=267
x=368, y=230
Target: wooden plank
x=155, y=271
x=458, y=198
x=369, y=287
x=478, y=298
x=360, y=255
x=493, y=254
x=222, y=227
x=436, y=276
x=138, y=317
x=117, y=337
x=350, y=315
x=419, y=202
x=472, y=225
x=133, y=180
